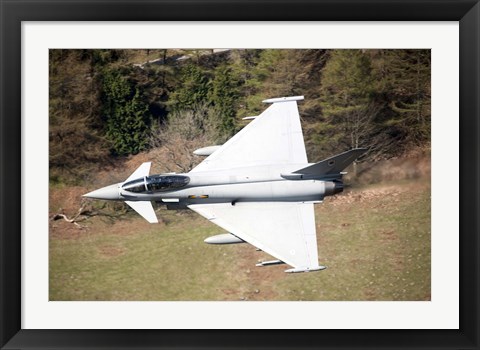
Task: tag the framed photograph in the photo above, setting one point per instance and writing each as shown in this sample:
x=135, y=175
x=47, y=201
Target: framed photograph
x=64, y=285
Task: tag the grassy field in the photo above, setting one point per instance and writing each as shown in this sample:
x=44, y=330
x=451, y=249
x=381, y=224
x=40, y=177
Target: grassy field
x=374, y=239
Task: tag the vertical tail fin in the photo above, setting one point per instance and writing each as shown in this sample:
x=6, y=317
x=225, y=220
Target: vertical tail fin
x=332, y=165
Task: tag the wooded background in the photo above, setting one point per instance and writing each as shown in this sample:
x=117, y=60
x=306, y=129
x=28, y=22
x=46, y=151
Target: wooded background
x=111, y=110
x=106, y=105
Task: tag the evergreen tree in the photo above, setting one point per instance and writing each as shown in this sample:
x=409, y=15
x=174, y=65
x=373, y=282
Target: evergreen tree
x=243, y=64
x=404, y=80
x=126, y=115
x=224, y=96
x=346, y=99
x=289, y=72
x=193, y=89
x=156, y=81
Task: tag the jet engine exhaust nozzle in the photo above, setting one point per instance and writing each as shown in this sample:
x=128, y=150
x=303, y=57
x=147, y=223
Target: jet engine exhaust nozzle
x=333, y=187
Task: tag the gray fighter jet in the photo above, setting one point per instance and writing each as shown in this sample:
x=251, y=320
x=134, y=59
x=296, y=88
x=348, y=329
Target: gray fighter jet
x=258, y=186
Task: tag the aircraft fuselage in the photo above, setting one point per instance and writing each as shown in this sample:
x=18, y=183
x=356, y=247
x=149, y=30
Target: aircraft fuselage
x=252, y=184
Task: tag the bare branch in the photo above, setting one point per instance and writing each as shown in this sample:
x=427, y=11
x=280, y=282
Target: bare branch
x=173, y=143
x=85, y=212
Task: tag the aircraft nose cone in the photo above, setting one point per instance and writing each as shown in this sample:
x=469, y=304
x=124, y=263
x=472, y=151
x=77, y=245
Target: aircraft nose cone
x=106, y=193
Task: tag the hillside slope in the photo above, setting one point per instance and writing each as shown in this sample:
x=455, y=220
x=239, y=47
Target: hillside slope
x=375, y=240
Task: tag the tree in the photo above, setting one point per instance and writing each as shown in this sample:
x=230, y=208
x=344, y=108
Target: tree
x=347, y=89
x=224, y=96
x=348, y=105
x=279, y=73
x=285, y=72
x=243, y=64
x=156, y=81
x=185, y=131
x=76, y=142
x=404, y=80
x=126, y=115
x=194, y=88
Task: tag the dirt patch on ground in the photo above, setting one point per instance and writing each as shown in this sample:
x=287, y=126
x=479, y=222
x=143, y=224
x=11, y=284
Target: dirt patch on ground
x=259, y=279
x=64, y=230
x=66, y=200
x=66, y=203
x=121, y=227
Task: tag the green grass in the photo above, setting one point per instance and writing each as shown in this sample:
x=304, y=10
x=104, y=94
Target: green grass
x=151, y=262
x=375, y=241
x=374, y=250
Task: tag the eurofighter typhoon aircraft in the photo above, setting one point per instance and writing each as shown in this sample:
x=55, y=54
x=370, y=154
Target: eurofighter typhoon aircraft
x=258, y=186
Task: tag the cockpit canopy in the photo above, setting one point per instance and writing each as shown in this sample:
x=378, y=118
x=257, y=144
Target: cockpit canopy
x=156, y=183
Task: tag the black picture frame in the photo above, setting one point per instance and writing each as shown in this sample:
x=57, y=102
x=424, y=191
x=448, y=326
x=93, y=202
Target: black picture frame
x=13, y=12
